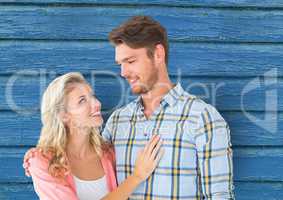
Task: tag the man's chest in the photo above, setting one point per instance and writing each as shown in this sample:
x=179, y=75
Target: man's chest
x=131, y=136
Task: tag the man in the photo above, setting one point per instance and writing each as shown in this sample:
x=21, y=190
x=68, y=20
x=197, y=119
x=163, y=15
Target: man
x=197, y=163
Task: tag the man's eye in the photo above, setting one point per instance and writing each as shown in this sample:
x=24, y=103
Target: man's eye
x=131, y=61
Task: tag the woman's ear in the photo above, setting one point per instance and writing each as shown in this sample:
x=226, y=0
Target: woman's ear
x=64, y=117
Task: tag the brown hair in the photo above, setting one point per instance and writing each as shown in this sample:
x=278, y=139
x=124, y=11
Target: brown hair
x=141, y=32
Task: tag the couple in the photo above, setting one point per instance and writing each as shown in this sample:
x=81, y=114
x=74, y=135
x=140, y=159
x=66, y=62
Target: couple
x=166, y=144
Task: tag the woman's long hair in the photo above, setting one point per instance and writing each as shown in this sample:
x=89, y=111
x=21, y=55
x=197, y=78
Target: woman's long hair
x=54, y=134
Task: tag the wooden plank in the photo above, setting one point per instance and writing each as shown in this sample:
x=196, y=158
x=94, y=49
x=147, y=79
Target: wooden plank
x=18, y=129
x=258, y=190
x=188, y=59
x=258, y=164
x=245, y=131
x=205, y=3
x=183, y=24
x=19, y=92
x=243, y=191
x=192, y=3
x=13, y=191
x=250, y=164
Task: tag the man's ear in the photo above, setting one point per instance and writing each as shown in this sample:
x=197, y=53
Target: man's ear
x=159, y=54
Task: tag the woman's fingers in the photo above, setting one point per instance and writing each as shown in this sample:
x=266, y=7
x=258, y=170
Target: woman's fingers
x=139, y=155
x=29, y=154
x=151, y=145
x=148, y=158
x=155, y=150
x=158, y=157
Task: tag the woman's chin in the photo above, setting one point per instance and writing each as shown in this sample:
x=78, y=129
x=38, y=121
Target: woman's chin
x=97, y=123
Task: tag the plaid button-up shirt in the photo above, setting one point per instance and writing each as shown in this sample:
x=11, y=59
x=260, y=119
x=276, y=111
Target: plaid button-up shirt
x=197, y=163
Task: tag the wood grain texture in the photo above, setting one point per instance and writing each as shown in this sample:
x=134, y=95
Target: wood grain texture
x=187, y=59
x=218, y=50
x=183, y=24
x=19, y=129
x=258, y=190
x=243, y=190
x=15, y=191
x=18, y=92
x=171, y=3
x=251, y=164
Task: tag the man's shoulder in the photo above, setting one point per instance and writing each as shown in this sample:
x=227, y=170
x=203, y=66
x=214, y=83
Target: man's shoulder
x=197, y=105
x=124, y=110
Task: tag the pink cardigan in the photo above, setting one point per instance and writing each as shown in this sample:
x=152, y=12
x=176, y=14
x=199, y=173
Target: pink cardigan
x=48, y=188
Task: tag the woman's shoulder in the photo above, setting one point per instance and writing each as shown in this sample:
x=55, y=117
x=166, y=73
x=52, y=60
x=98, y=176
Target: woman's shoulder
x=109, y=151
x=108, y=157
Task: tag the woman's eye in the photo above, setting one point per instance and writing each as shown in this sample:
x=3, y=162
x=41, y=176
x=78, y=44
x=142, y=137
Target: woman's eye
x=82, y=101
x=131, y=61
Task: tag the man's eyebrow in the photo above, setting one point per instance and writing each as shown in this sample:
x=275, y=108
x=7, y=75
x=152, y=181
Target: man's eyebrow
x=124, y=60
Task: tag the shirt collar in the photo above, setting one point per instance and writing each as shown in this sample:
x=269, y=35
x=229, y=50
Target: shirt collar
x=170, y=98
x=173, y=95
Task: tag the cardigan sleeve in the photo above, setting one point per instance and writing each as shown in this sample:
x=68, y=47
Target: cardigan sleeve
x=109, y=166
x=46, y=186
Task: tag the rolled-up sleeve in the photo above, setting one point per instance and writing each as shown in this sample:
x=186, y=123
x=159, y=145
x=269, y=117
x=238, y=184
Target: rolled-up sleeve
x=214, y=151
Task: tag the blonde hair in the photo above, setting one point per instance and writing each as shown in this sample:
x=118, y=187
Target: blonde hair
x=54, y=135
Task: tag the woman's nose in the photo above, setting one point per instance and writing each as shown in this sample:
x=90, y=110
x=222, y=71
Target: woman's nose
x=96, y=104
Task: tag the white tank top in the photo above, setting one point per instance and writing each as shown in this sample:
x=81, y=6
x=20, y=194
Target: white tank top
x=91, y=190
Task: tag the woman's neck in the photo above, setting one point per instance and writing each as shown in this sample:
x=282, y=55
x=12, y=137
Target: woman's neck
x=78, y=145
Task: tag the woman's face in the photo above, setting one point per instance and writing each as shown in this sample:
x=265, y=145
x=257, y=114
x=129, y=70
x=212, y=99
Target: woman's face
x=83, y=110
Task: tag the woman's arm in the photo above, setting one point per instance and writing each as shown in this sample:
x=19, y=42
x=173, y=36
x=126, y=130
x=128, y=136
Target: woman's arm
x=146, y=162
x=46, y=186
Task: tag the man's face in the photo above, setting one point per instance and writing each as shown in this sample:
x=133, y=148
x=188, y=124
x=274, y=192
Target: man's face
x=139, y=70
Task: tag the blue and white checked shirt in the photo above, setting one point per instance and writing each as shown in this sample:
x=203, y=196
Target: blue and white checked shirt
x=197, y=163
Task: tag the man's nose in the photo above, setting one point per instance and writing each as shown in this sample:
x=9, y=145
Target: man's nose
x=124, y=71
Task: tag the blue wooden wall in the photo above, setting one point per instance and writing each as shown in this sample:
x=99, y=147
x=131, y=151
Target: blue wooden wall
x=219, y=49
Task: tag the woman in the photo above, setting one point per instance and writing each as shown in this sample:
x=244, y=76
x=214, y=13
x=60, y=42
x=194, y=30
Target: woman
x=71, y=160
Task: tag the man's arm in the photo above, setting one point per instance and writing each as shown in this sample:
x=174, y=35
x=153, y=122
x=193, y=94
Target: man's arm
x=108, y=129
x=214, y=155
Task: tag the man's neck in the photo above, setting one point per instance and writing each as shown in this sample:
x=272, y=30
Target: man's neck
x=151, y=100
